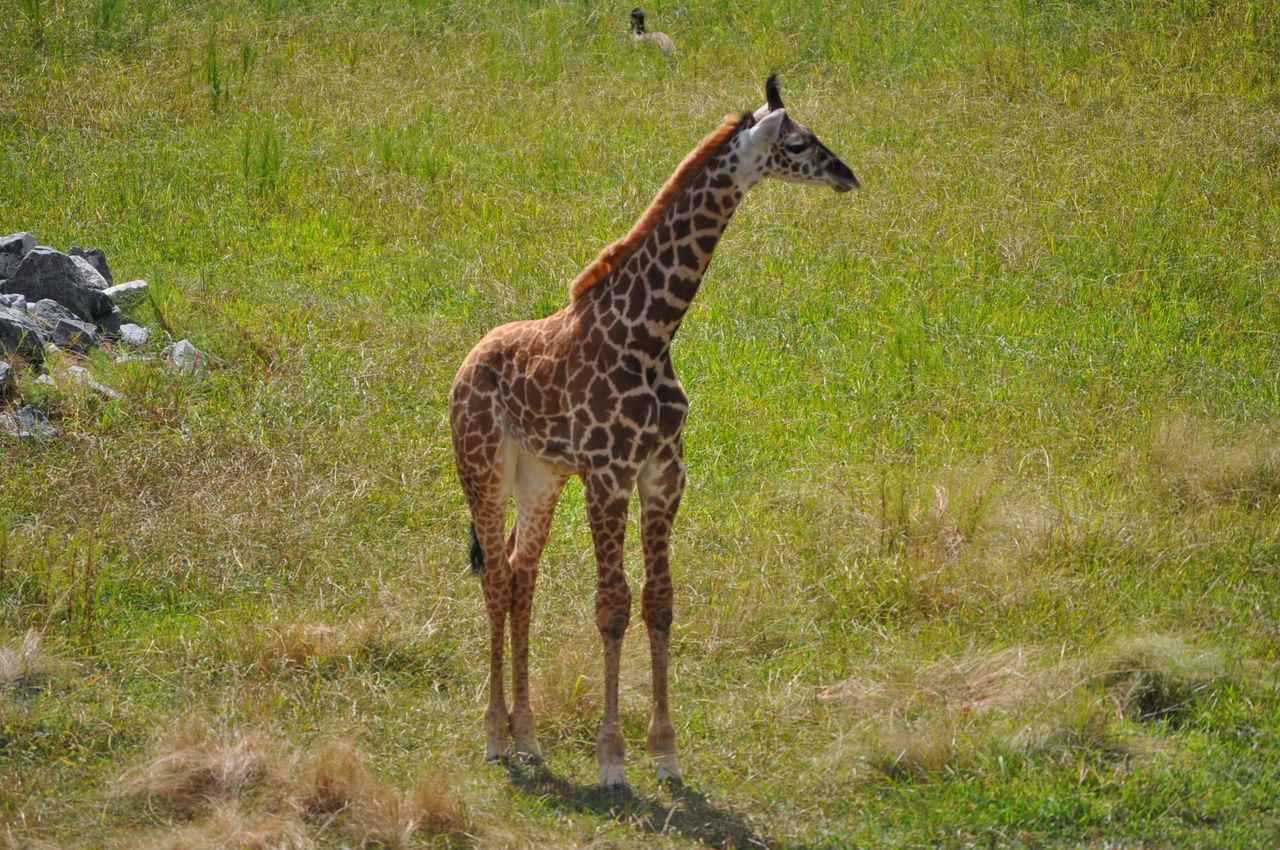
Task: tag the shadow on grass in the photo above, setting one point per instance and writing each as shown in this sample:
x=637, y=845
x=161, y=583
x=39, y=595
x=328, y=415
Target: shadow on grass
x=688, y=813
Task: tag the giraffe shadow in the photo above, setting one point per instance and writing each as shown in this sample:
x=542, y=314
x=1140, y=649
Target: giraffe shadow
x=688, y=813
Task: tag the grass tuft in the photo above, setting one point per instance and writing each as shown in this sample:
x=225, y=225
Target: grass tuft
x=942, y=519
x=566, y=691
x=192, y=768
x=1015, y=706
x=333, y=779
x=335, y=786
x=250, y=791
x=360, y=641
x=27, y=664
x=433, y=805
x=1154, y=677
x=1201, y=469
x=229, y=827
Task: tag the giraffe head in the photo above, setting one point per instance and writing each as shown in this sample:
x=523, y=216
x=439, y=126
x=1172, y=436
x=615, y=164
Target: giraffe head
x=787, y=150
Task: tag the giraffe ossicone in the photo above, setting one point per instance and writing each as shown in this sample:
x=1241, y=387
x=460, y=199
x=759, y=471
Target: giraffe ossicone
x=591, y=391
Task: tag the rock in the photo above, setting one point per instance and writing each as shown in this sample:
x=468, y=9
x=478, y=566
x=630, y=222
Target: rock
x=129, y=296
x=46, y=379
x=46, y=273
x=109, y=325
x=89, y=276
x=98, y=259
x=8, y=384
x=13, y=248
x=27, y=423
x=14, y=300
x=183, y=354
x=80, y=375
x=48, y=312
x=20, y=334
x=134, y=336
x=76, y=335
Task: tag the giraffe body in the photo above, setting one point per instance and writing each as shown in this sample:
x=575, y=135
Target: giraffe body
x=591, y=391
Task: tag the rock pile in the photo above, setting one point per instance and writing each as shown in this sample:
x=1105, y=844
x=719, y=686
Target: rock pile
x=48, y=296
x=69, y=301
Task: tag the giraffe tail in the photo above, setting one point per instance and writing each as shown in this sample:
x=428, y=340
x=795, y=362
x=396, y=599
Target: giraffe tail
x=477, y=555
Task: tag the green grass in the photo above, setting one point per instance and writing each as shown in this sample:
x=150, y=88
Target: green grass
x=981, y=537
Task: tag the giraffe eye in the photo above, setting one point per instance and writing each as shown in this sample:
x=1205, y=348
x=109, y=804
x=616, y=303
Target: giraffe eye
x=797, y=147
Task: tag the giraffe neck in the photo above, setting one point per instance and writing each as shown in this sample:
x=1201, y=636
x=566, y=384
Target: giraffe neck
x=652, y=290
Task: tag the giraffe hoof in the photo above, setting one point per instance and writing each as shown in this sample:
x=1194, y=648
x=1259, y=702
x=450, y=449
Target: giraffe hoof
x=612, y=777
x=534, y=759
x=667, y=770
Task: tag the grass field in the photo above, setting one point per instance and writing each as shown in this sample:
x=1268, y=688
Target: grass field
x=981, y=546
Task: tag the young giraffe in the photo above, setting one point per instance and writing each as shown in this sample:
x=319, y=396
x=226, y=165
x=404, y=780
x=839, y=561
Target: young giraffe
x=591, y=391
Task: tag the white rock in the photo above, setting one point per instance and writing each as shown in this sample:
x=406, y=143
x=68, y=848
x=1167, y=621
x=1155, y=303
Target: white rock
x=128, y=294
x=183, y=354
x=134, y=336
x=80, y=375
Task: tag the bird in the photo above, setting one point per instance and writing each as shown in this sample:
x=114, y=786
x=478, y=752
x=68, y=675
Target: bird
x=664, y=42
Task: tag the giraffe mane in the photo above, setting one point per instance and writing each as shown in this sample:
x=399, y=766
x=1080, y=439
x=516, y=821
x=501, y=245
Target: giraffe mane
x=613, y=256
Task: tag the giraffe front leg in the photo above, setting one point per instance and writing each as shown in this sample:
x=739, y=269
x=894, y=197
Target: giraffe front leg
x=661, y=486
x=607, y=510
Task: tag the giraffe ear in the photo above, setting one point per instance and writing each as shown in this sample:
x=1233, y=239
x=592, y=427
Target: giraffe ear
x=765, y=133
x=772, y=93
x=773, y=97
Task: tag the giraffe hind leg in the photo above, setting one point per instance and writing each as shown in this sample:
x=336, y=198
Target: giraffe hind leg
x=661, y=486
x=487, y=471
x=477, y=554
x=537, y=489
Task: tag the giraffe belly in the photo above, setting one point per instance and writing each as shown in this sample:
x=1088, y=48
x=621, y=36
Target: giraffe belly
x=550, y=446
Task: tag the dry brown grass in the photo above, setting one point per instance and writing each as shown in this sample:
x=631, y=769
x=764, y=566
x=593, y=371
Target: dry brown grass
x=950, y=715
x=192, y=768
x=27, y=664
x=249, y=792
x=300, y=644
x=335, y=788
x=228, y=827
x=567, y=689
x=1158, y=676
x=965, y=686
x=1203, y=468
x=915, y=720
x=433, y=805
x=942, y=518
x=333, y=778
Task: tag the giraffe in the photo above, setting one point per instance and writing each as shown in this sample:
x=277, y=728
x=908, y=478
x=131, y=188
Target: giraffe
x=591, y=391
